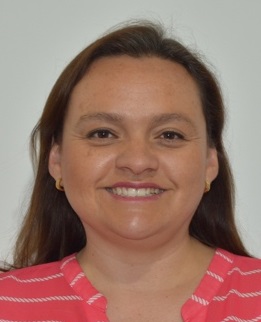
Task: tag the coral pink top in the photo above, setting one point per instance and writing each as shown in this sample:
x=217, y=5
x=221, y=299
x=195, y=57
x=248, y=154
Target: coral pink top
x=59, y=291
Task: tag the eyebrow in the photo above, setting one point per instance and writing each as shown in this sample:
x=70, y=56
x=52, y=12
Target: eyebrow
x=166, y=117
x=111, y=117
x=117, y=118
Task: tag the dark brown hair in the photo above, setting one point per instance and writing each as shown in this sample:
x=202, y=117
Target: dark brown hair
x=51, y=229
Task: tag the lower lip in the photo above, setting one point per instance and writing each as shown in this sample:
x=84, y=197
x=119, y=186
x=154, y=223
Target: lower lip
x=135, y=199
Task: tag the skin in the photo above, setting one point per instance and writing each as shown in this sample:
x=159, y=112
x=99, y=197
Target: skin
x=137, y=123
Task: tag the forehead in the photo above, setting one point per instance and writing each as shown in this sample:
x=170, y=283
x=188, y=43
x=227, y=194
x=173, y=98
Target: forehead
x=137, y=70
x=133, y=83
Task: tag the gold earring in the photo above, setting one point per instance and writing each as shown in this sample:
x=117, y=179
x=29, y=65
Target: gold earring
x=207, y=186
x=58, y=184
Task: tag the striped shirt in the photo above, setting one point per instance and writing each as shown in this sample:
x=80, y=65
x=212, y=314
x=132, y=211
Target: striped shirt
x=229, y=291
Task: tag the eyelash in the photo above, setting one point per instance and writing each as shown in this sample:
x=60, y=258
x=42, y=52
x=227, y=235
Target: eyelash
x=100, y=134
x=171, y=136
x=104, y=136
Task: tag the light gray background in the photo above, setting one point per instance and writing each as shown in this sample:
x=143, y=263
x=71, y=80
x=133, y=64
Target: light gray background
x=38, y=38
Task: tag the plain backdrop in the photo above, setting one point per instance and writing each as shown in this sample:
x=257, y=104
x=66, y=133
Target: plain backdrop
x=38, y=38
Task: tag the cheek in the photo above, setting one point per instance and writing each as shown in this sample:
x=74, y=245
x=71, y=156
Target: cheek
x=186, y=167
x=84, y=173
x=82, y=167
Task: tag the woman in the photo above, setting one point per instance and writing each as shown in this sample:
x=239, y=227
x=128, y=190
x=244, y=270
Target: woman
x=131, y=216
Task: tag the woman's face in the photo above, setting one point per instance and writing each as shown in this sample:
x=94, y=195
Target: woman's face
x=134, y=156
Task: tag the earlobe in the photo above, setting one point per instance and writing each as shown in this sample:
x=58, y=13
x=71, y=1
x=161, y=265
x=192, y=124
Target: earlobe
x=54, y=164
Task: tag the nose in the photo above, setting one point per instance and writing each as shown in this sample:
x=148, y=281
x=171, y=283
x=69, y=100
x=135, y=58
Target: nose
x=137, y=157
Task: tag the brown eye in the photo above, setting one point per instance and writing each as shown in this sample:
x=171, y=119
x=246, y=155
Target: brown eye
x=171, y=135
x=100, y=134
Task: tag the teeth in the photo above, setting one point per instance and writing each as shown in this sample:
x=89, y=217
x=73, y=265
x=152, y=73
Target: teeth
x=132, y=192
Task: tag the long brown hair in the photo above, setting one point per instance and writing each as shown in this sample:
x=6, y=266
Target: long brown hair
x=51, y=229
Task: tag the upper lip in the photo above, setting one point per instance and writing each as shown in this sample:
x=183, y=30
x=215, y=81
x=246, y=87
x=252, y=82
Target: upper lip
x=136, y=185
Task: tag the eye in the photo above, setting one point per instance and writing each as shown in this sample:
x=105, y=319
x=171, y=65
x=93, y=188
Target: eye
x=171, y=135
x=100, y=134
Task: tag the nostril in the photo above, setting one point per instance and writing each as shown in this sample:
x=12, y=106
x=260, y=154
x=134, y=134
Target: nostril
x=137, y=160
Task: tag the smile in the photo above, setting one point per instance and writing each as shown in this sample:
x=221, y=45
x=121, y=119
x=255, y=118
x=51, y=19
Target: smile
x=133, y=192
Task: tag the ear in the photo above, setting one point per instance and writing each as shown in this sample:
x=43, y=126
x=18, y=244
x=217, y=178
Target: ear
x=212, y=165
x=54, y=164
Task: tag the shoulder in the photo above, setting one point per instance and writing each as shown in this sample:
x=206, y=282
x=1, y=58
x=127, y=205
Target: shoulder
x=238, y=268
x=242, y=276
x=235, y=261
x=41, y=293
x=247, y=262
x=237, y=292
x=32, y=278
x=32, y=272
x=243, y=265
x=245, y=276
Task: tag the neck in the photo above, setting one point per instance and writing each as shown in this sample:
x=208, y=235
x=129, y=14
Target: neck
x=140, y=267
